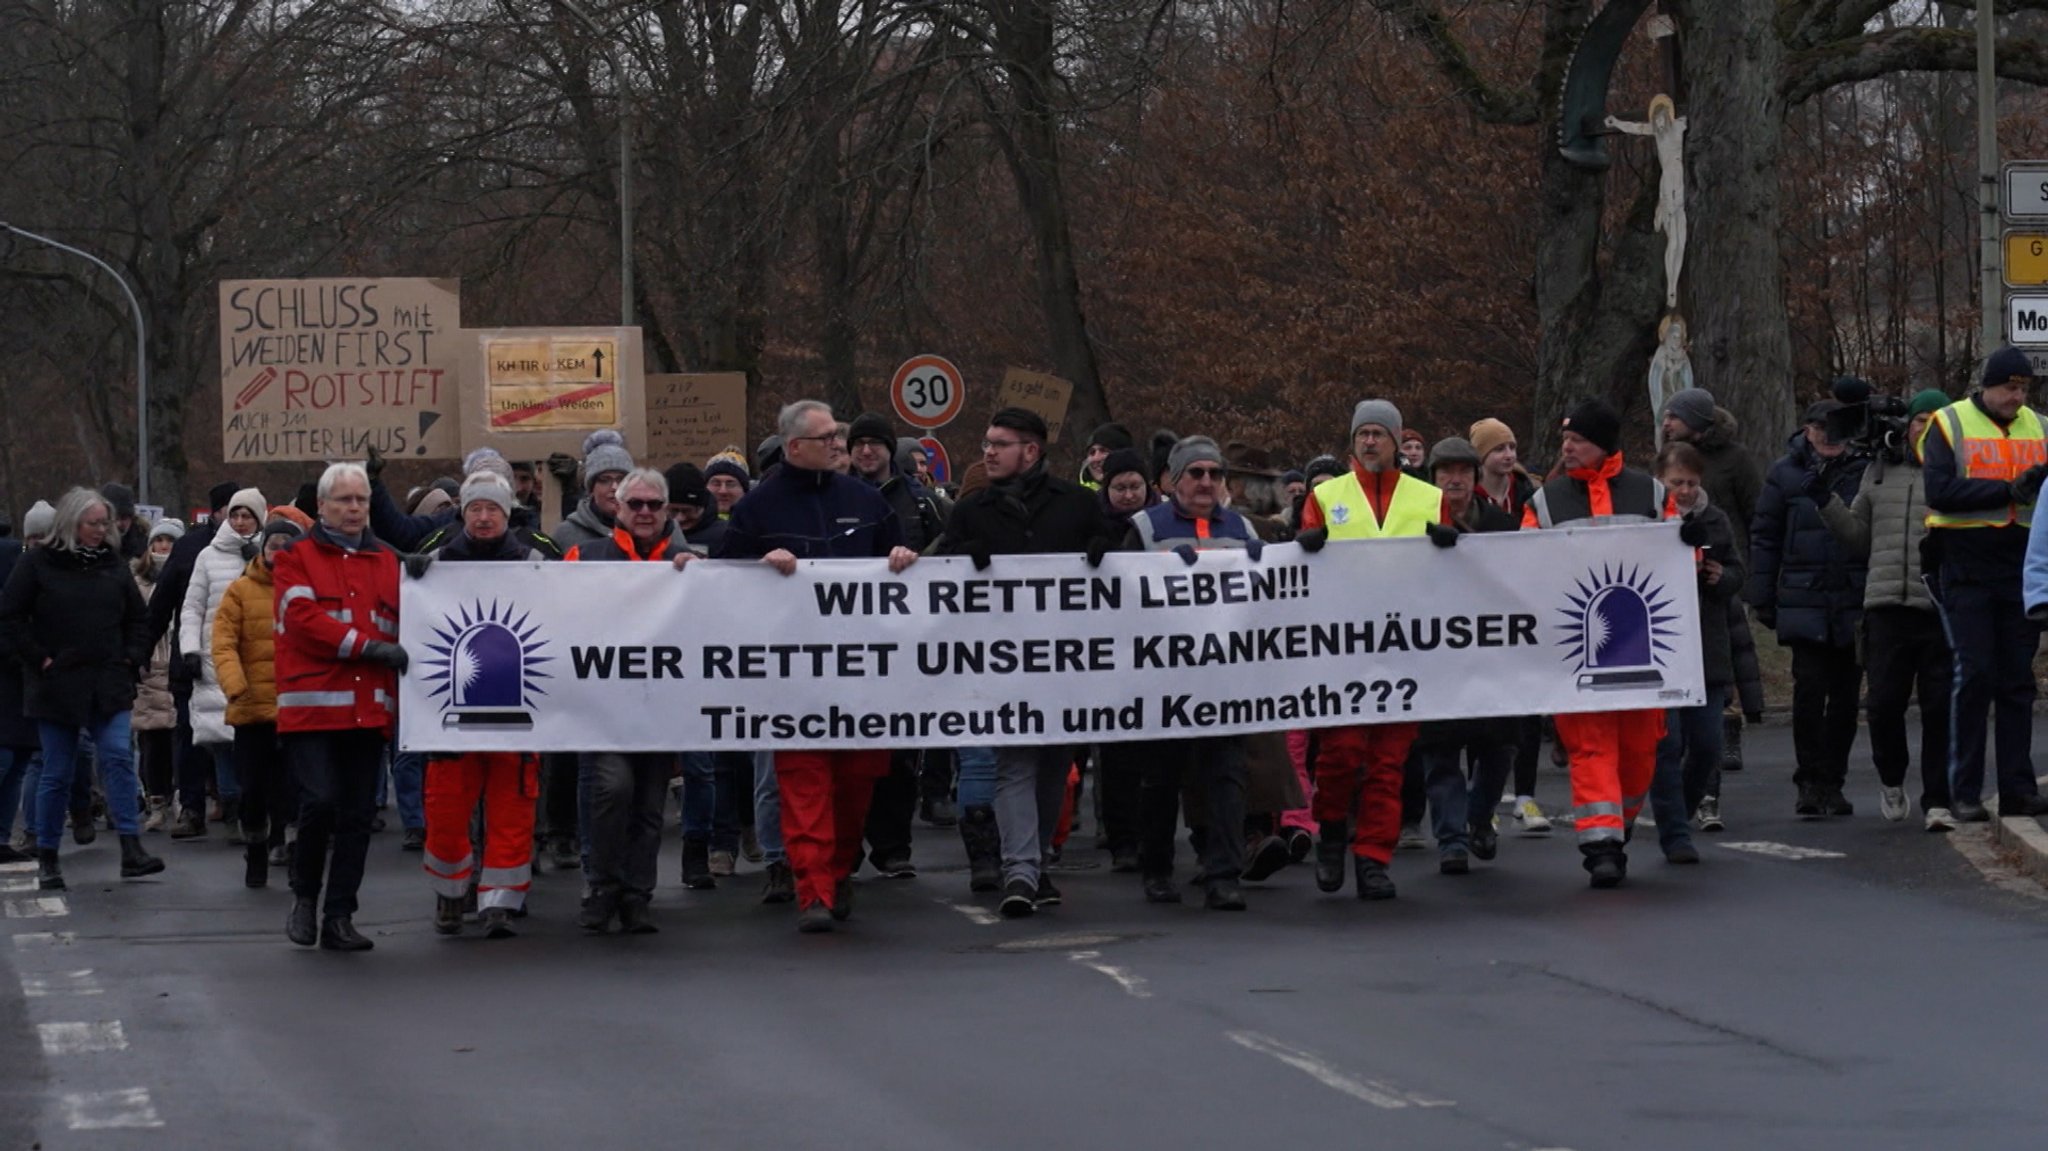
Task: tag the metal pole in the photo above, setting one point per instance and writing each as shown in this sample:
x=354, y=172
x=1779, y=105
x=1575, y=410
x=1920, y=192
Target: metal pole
x=1990, y=256
x=625, y=160
x=141, y=354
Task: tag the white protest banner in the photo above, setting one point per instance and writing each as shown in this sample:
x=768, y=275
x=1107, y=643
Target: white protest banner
x=327, y=369
x=1043, y=649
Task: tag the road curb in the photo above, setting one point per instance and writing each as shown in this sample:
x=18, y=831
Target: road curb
x=2024, y=835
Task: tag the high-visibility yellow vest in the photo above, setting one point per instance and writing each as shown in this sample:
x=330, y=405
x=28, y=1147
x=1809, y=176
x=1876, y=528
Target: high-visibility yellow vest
x=1349, y=516
x=1985, y=451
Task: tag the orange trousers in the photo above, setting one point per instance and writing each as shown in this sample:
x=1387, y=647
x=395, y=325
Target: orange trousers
x=825, y=799
x=1613, y=757
x=1358, y=776
x=508, y=784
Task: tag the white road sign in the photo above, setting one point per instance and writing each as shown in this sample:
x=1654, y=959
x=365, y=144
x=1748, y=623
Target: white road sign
x=2026, y=190
x=2026, y=320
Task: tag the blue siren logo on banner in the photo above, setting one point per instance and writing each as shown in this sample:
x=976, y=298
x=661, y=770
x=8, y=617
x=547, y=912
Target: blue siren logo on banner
x=1615, y=628
x=483, y=668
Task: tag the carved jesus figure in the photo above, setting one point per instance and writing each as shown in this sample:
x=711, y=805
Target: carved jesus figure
x=1667, y=129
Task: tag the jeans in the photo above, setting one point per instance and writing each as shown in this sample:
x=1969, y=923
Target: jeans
x=1031, y=787
x=336, y=774
x=628, y=792
x=768, y=809
x=1825, y=683
x=111, y=748
x=709, y=807
x=31, y=793
x=1218, y=768
x=1456, y=807
x=14, y=766
x=1908, y=656
x=1994, y=645
x=1688, y=769
x=977, y=777
x=409, y=787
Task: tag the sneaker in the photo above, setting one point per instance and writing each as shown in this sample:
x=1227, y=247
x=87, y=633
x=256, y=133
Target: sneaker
x=1160, y=889
x=1123, y=860
x=750, y=846
x=1412, y=838
x=814, y=920
x=722, y=863
x=1834, y=802
x=1530, y=816
x=1018, y=900
x=1891, y=803
x=1454, y=861
x=1299, y=844
x=598, y=908
x=1682, y=852
x=1269, y=856
x=1708, y=817
x=940, y=812
x=159, y=814
x=1484, y=841
x=895, y=867
x=1940, y=819
x=498, y=923
x=1224, y=895
x=188, y=825
x=1966, y=812
x=563, y=856
x=415, y=839
x=1047, y=895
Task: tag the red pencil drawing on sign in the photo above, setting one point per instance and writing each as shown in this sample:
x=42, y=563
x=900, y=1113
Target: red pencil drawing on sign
x=521, y=415
x=254, y=388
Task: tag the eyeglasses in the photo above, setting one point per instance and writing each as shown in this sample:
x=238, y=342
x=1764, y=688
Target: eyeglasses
x=1204, y=473
x=645, y=505
x=826, y=438
x=999, y=445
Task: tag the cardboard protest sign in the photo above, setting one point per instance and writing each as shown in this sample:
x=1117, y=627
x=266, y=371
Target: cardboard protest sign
x=327, y=369
x=693, y=415
x=533, y=391
x=1037, y=392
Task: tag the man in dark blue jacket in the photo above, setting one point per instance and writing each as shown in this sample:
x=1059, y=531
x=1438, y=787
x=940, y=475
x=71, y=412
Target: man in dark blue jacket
x=806, y=511
x=1806, y=587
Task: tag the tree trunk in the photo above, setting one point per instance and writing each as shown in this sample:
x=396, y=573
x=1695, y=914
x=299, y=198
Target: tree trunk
x=1742, y=347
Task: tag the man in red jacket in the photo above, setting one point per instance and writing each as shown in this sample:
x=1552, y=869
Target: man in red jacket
x=338, y=661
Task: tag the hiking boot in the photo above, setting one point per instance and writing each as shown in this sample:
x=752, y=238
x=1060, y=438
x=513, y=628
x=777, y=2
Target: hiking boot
x=135, y=861
x=1224, y=895
x=1018, y=901
x=49, y=872
x=1731, y=741
x=498, y=923
x=781, y=885
x=1161, y=889
x=633, y=917
x=815, y=920
x=598, y=909
x=1268, y=857
x=984, y=845
x=1330, y=851
x=697, y=865
x=842, y=899
x=299, y=925
x=1606, y=864
x=1373, y=881
x=339, y=934
x=83, y=830
x=447, y=914
x=188, y=825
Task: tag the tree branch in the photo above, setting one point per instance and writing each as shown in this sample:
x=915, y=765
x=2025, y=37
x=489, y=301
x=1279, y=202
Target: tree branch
x=1424, y=21
x=1811, y=72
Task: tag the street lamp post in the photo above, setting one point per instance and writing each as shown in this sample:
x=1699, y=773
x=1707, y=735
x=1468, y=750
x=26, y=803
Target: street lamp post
x=141, y=352
x=1990, y=249
x=625, y=159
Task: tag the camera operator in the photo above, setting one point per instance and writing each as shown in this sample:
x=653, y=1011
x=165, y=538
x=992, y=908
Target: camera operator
x=1806, y=587
x=1985, y=458
x=1904, y=646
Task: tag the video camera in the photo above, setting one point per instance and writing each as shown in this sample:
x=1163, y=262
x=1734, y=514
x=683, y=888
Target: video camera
x=1867, y=423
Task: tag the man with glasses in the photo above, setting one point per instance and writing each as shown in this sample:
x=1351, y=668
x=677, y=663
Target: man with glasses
x=624, y=792
x=1358, y=769
x=807, y=510
x=1025, y=510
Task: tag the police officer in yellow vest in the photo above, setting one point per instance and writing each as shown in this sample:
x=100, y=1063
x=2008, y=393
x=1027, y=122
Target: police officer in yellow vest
x=1985, y=461
x=1358, y=769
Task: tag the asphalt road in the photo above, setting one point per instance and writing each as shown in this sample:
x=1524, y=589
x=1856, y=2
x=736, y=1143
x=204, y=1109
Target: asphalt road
x=1881, y=994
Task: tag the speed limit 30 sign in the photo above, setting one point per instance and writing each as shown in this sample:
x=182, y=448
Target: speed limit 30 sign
x=926, y=392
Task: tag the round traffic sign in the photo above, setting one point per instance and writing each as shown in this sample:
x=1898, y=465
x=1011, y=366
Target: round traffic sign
x=942, y=465
x=926, y=392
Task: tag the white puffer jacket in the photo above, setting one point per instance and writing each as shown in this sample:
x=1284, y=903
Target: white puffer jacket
x=216, y=567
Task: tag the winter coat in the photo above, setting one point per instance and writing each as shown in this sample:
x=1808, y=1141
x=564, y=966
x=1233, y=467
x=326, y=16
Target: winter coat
x=1717, y=657
x=618, y=547
x=155, y=710
x=171, y=582
x=1036, y=514
x=333, y=601
x=707, y=535
x=17, y=731
x=79, y=611
x=812, y=515
x=402, y=531
x=915, y=511
x=218, y=566
x=1883, y=528
x=245, y=647
x=1732, y=481
x=521, y=525
x=583, y=525
x=1749, y=674
x=1798, y=569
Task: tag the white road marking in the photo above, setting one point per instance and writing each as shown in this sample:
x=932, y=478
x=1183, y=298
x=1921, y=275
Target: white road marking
x=980, y=916
x=101, y=1110
x=1379, y=1094
x=1782, y=850
x=32, y=939
x=27, y=865
x=1134, y=985
x=81, y=1038
x=41, y=907
x=1973, y=842
x=81, y=982
x=18, y=883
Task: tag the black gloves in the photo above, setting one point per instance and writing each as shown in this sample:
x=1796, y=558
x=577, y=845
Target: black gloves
x=190, y=664
x=2026, y=488
x=562, y=466
x=1186, y=552
x=979, y=554
x=373, y=463
x=1692, y=532
x=1313, y=541
x=1097, y=548
x=1442, y=535
x=417, y=563
x=1817, y=488
x=1255, y=547
x=389, y=654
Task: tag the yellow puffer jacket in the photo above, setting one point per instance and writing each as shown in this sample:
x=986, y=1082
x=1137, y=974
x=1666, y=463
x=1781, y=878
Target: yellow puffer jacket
x=244, y=638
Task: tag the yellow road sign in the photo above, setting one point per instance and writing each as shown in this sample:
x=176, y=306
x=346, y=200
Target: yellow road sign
x=2026, y=259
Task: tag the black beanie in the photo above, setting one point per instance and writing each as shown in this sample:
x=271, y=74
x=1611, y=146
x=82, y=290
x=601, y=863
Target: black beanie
x=1113, y=436
x=871, y=426
x=123, y=500
x=1598, y=422
x=218, y=495
x=686, y=486
x=1124, y=460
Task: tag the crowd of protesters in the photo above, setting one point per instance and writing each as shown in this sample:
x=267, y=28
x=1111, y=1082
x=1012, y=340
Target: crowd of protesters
x=242, y=669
